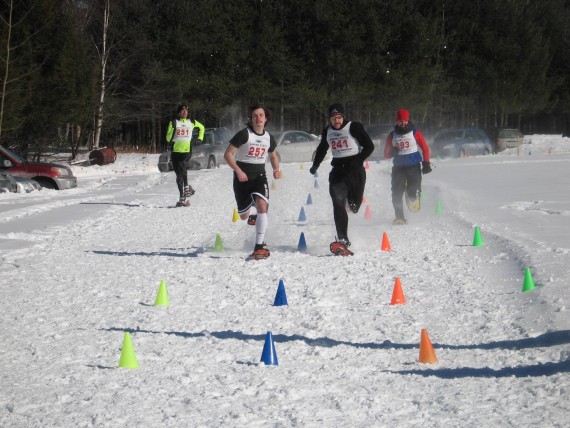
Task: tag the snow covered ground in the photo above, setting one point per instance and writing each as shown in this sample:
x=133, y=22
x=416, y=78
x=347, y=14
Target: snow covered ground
x=81, y=267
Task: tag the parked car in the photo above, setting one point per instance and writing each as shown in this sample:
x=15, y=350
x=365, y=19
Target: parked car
x=295, y=146
x=9, y=183
x=378, y=133
x=506, y=138
x=206, y=154
x=48, y=175
x=461, y=142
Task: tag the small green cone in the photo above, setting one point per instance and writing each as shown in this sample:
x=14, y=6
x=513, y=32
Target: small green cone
x=128, y=358
x=219, y=246
x=528, y=284
x=477, y=240
x=162, y=295
x=438, y=207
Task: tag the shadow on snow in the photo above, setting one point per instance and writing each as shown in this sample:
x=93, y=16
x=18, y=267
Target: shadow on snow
x=194, y=252
x=553, y=338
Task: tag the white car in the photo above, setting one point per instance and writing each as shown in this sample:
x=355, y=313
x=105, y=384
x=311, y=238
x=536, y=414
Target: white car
x=295, y=146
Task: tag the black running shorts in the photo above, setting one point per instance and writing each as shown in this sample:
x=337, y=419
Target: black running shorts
x=245, y=192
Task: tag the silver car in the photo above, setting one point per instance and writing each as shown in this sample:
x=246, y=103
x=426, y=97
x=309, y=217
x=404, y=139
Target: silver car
x=295, y=146
x=10, y=183
x=461, y=142
x=207, y=154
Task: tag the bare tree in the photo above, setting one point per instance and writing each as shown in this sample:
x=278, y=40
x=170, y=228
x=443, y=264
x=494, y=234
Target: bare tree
x=103, y=58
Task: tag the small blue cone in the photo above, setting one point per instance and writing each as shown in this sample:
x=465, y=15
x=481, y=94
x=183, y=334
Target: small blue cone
x=269, y=356
x=309, y=200
x=302, y=216
x=316, y=174
x=302, y=247
x=316, y=184
x=280, y=296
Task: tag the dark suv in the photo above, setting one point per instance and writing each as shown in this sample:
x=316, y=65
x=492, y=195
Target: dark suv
x=461, y=142
x=206, y=154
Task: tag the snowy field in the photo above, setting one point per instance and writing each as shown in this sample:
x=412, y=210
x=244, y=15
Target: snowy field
x=81, y=267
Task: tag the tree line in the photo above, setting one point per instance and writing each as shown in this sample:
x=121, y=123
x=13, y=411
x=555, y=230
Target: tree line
x=88, y=73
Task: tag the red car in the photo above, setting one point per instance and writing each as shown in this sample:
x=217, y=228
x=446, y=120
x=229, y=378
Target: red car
x=48, y=175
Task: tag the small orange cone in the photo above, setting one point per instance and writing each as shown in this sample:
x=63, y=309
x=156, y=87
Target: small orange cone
x=385, y=243
x=366, y=165
x=427, y=354
x=363, y=199
x=367, y=213
x=398, y=294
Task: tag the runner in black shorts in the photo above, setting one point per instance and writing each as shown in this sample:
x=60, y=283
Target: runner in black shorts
x=246, y=155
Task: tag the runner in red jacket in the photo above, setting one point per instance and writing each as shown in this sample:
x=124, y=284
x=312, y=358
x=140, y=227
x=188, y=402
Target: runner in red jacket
x=402, y=144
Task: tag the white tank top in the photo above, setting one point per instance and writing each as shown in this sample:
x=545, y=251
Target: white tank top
x=183, y=131
x=255, y=149
x=342, y=144
x=405, y=143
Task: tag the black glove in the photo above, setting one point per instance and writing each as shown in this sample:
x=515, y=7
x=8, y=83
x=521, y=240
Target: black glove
x=426, y=167
x=313, y=170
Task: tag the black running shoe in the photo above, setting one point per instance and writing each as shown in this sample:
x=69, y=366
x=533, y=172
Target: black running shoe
x=353, y=207
x=252, y=220
x=182, y=202
x=260, y=252
x=339, y=248
x=188, y=191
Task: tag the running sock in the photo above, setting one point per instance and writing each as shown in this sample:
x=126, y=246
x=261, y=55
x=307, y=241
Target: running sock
x=260, y=227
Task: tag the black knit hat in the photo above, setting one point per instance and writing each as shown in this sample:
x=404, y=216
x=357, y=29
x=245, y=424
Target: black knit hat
x=336, y=109
x=182, y=107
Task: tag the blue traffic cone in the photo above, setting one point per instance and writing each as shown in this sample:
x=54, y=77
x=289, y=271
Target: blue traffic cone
x=316, y=184
x=302, y=246
x=302, y=216
x=309, y=200
x=280, y=296
x=269, y=356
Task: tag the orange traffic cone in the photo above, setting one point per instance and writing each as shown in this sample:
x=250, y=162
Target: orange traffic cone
x=385, y=243
x=427, y=354
x=398, y=294
x=367, y=213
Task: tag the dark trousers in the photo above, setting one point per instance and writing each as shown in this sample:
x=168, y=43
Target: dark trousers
x=179, y=166
x=405, y=178
x=346, y=184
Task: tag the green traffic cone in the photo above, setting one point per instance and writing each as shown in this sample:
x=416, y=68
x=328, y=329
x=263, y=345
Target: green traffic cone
x=477, y=240
x=128, y=358
x=528, y=284
x=162, y=295
x=219, y=246
x=438, y=207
